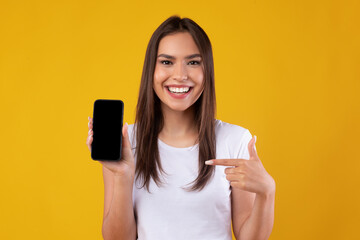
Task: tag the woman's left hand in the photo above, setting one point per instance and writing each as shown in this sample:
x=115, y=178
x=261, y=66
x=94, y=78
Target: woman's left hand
x=249, y=175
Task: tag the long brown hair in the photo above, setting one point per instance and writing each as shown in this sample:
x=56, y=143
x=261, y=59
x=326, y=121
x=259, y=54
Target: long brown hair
x=149, y=119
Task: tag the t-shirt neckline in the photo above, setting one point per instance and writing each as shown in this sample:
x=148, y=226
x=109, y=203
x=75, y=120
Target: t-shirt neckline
x=176, y=148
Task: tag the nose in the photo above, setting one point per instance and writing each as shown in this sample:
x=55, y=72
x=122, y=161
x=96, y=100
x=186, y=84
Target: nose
x=180, y=72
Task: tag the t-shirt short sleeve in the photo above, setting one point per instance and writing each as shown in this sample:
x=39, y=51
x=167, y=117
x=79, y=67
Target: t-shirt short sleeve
x=232, y=140
x=243, y=151
x=131, y=133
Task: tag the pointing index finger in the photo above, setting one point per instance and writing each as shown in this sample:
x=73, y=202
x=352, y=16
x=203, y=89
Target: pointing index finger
x=224, y=162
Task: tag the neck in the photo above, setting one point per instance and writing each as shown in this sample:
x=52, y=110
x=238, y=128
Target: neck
x=178, y=123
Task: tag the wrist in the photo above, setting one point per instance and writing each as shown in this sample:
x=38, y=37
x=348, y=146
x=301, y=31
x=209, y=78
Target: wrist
x=269, y=191
x=126, y=178
x=127, y=171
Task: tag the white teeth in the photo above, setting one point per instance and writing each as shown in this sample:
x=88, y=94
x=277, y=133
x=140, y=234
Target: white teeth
x=179, y=90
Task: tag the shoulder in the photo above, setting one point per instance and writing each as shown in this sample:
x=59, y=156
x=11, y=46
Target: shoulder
x=231, y=132
x=232, y=139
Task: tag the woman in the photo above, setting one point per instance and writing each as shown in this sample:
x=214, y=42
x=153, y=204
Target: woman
x=184, y=174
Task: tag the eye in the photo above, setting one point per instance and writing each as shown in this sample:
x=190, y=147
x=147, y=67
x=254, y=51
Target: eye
x=165, y=62
x=194, y=62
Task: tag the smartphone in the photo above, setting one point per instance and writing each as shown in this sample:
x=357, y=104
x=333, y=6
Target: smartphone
x=107, y=130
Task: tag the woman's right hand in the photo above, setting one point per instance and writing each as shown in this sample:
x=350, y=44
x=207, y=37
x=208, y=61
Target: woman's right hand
x=124, y=167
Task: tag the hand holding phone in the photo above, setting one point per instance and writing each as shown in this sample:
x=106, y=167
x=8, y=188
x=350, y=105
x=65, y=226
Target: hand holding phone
x=125, y=167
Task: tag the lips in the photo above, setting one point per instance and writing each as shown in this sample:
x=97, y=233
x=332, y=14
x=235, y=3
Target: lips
x=178, y=91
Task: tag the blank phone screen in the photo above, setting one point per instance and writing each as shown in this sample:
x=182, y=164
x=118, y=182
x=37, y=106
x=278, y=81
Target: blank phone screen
x=107, y=126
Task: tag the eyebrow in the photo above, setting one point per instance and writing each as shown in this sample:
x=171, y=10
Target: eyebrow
x=172, y=57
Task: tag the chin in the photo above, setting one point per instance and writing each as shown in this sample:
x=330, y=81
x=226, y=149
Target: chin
x=178, y=107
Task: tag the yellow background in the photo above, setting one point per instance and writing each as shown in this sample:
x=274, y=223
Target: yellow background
x=286, y=70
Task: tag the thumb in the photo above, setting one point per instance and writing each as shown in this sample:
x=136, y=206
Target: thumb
x=126, y=146
x=251, y=147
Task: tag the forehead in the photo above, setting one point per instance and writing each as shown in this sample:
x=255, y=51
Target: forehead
x=178, y=44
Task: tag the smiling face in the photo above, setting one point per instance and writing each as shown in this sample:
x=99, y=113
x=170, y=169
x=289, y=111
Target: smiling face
x=179, y=72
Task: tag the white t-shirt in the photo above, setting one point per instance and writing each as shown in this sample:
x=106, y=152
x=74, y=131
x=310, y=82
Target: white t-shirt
x=170, y=212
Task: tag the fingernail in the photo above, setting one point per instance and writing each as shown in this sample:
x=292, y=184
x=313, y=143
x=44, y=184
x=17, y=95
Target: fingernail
x=126, y=124
x=209, y=162
x=89, y=131
x=255, y=138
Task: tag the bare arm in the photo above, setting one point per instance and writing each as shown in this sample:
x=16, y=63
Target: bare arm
x=261, y=220
x=242, y=203
x=119, y=220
